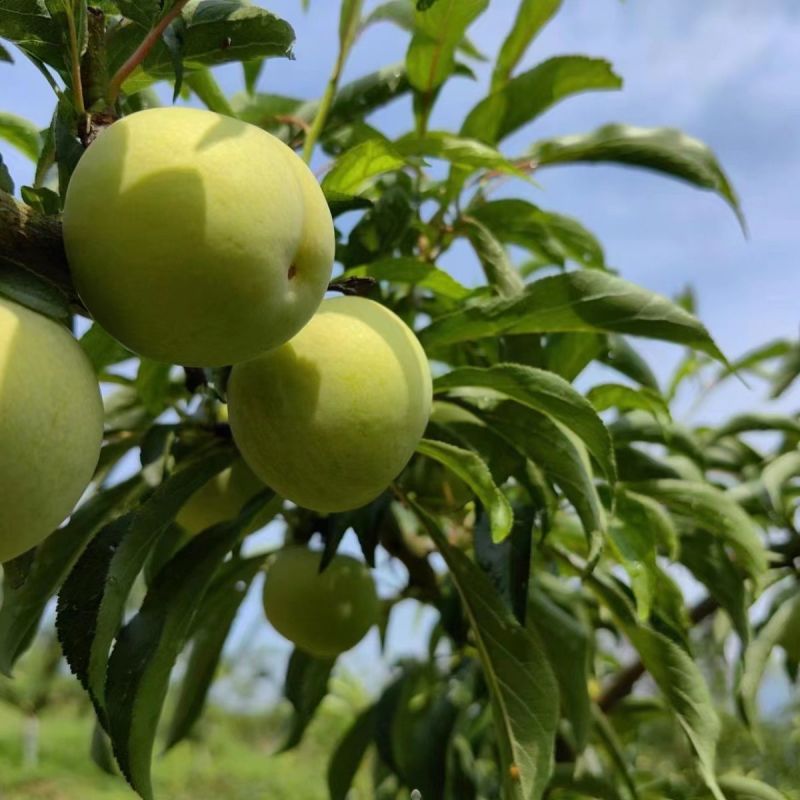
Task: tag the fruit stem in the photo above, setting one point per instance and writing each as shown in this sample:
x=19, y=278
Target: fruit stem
x=141, y=52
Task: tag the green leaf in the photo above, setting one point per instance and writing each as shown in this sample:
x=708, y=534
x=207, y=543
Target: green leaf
x=581, y=784
x=553, y=238
x=349, y=753
x=148, y=646
x=92, y=600
x=102, y=349
x=471, y=468
x=544, y=392
x=24, y=605
x=712, y=566
x=522, y=686
x=664, y=150
x=412, y=271
x=349, y=25
x=70, y=19
x=775, y=476
x=152, y=385
x=640, y=511
x=44, y=200
x=763, y=421
x=635, y=547
x=676, y=674
x=28, y=25
x=625, y=398
x=785, y=619
x=532, y=16
x=5, y=55
x=351, y=171
x=640, y=427
x=216, y=32
x=6, y=181
x=621, y=357
x=144, y=12
x=500, y=273
x=566, y=643
x=741, y=787
x=712, y=510
x=558, y=453
x=458, y=150
x=22, y=134
x=29, y=290
x=438, y=32
x=531, y=93
x=305, y=688
x=583, y=301
x=214, y=620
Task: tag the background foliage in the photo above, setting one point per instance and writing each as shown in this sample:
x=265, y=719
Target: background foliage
x=560, y=515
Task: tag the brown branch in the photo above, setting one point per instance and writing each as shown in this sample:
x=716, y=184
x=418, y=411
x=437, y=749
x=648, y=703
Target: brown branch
x=142, y=51
x=33, y=241
x=626, y=679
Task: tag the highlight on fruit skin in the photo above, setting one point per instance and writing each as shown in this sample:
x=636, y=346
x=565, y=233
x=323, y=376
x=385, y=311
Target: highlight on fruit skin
x=51, y=427
x=195, y=238
x=322, y=614
x=331, y=418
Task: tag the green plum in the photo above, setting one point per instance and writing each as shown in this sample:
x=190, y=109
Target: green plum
x=51, y=427
x=323, y=614
x=195, y=238
x=330, y=418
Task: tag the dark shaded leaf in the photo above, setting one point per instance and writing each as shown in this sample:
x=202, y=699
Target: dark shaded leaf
x=29, y=290
x=349, y=753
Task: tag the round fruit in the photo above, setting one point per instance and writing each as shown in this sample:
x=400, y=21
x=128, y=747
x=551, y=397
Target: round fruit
x=329, y=419
x=322, y=614
x=197, y=239
x=51, y=427
x=221, y=499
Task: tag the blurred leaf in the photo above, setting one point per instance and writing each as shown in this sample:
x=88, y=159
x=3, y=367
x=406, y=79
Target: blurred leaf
x=92, y=600
x=712, y=510
x=740, y=787
x=24, y=605
x=437, y=33
x=21, y=133
x=661, y=149
x=305, y=688
x=788, y=372
x=776, y=474
x=554, y=238
x=413, y=271
x=101, y=752
x=587, y=300
x=148, y=645
x=544, y=392
x=625, y=398
x=214, y=620
x=531, y=93
x=70, y=19
x=581, y=785
x=635, y=546
x=641, y=512
x=349, y=24
x=29, y=290
x=637, y=426
x=458, y=150
x=785, y=618
x=522, y=686
x=143, y=12
x=152, y=385
x=557, y=452
x=566, y=643
x=471, y=468
x=5, y=55
x=6, y=181
x=532, y=16
x=758, y=422
x=676, y=674
x=352, y=170
x=102, y=349
x=349, y=753
x=709, y=562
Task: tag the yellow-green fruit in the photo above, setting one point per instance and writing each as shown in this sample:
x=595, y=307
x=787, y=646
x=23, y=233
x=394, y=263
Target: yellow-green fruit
x=322, y=614
x=329, y=419
x=51, y=427
x=197, y=239
x=221, y=499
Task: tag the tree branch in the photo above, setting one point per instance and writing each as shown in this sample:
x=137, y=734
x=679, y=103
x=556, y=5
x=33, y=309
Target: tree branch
x=34, y=241
x=626, y=679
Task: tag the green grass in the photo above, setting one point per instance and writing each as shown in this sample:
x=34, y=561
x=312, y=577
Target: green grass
x=232, y=760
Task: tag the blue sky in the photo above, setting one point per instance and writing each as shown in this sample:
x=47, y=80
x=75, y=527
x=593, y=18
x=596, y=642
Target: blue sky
x=725, y=71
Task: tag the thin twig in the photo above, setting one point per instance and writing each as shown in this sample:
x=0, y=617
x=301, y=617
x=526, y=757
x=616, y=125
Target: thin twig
x=141, y=52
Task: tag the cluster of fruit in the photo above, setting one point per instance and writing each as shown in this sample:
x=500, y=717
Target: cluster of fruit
x=200, y=240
